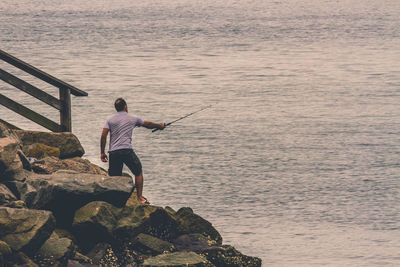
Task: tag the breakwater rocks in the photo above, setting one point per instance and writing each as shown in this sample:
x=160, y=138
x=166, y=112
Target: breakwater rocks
x=57, y=209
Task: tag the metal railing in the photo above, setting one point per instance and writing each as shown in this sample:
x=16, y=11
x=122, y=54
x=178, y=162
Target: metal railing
x=63, y=103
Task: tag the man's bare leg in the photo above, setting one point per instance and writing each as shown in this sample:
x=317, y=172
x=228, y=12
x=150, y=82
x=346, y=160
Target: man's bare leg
x=139, y=187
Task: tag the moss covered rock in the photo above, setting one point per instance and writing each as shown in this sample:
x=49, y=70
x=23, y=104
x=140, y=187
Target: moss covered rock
x=55, y=249
x=24, y=229
x=38, y=151
x=150, y=245
x=193, y=223
x=66, y=142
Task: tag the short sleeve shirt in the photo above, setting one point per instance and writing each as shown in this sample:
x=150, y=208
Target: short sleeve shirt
x=121, y=126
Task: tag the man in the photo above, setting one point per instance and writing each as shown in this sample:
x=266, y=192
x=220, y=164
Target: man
x=120, y=127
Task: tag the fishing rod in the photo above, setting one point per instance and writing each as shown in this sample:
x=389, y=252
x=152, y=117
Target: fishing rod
x=181, y=118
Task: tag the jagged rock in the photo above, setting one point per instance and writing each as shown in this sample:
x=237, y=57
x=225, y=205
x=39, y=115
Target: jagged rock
x=6, y=197
x=94, y=223
x=229, y=256
x=68, y=143
x=103, y=255
x=25, y=230
x=55, y=249
x=5, y=129
x=177, y=259
x=99, y=252
x=5, y=252
x=193, y=223
x=22, y=190
x=149, y=245
x=38, y=151
x=147, y=219
x=10, y=161
x=22, y=260
x=82, y=258
x=63, y=192
x=5, y=249
x=193, y=242
x=50, y=165
x=101, y=222
x=77, y=263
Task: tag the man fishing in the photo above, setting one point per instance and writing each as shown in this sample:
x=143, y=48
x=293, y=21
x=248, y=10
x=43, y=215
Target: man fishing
x=120, y=150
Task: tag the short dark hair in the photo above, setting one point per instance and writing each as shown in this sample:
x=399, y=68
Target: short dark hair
x=120, y=104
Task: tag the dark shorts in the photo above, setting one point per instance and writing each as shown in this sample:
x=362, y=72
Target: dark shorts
x=118, y=157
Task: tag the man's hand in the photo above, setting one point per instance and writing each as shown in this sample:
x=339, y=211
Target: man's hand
x=153, y=125
x=103, y=157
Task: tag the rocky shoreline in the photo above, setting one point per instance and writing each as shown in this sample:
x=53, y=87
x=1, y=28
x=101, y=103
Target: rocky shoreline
x=58, y=209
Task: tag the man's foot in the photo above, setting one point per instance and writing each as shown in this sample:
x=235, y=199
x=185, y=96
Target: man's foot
x=143, y=200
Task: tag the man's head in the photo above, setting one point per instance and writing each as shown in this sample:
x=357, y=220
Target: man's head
x=120, y=105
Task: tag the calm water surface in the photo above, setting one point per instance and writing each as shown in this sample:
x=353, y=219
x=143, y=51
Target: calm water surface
x=299, y=160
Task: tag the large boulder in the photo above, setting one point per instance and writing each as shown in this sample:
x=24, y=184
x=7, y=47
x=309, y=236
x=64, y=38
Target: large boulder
x=50, y=165
x=193, y=223
x=178, y=259
x=193, y=242
x=95, y=223
x=38, y=151
x=102, y=222
x=55, y=249
x=63, y=192
x=67, y=142
x=24, y=229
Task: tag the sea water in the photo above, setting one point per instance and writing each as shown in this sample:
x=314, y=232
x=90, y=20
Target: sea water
x=297, y=162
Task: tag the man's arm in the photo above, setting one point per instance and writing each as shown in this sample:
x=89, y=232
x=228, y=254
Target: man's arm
x=103, y=141
x=152, y=125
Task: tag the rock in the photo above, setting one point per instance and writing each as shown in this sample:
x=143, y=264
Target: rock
x=64, y=192
x=149, y=245
x=94, y=223
x=77, y=263
x=6, y=197
x=177, y=259
x=38, y=151
x=193, y=242
x=103, y=255
x=55, y=249
x=22, y=190
x=229, y=256
x=5, y=253
x=101, y=222
x=148, y=219
x=5, y=129
x=24, y=160
x=20, y=259
x=99, y=252
x=5, y=249
x=10, y=162
x=82, y=258
x=68, y=143
x=25, y=230
x=50, y=165
x=193, y=223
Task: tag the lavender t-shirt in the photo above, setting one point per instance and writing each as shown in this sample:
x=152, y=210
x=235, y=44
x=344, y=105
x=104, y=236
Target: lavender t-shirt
x=121, y=126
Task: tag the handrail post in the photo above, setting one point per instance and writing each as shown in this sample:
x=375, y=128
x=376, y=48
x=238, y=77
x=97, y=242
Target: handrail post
x=65, y=112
